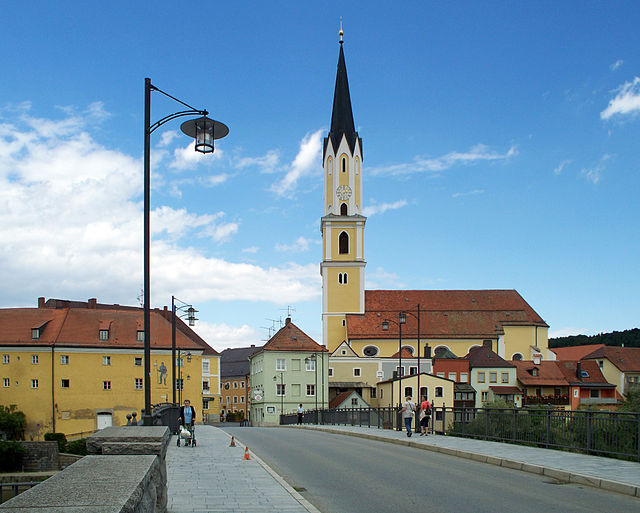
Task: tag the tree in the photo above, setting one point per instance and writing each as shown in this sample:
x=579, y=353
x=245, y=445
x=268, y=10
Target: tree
x=12, y=422
x=632, y=401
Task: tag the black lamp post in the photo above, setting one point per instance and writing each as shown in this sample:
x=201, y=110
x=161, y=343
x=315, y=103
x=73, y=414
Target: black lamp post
x=402, y=319
x=275, y=378
x=205, y=131
x=180, y=367
x=417, y=317
x=313, y=358
x=189, y=312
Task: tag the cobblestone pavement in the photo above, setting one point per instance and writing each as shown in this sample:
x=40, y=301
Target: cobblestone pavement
x=213, y=477
x=597, y=471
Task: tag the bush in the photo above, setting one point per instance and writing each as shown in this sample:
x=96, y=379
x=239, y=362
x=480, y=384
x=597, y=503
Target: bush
x=78, y=447
x=12, y=422
x=57, y=437
x=11, y=456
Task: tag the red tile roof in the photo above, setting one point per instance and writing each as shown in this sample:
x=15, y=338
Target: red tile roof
x=292, y=338
x=443, y=313
x=626, y=359
x=549, y=374
x=595, y=377
x=339, y=399
x=79, y=325
x=406, y=354
x=575, y=352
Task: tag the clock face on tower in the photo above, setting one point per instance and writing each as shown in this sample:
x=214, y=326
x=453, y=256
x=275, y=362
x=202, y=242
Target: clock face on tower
x=343, y=192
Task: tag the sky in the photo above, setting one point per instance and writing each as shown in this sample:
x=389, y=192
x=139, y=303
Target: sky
x=500, y=152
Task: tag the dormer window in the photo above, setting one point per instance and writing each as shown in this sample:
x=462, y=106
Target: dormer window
x=535, y=372
x=140, y=336
x=584, y=374
x=104, y=334
x=35, y=333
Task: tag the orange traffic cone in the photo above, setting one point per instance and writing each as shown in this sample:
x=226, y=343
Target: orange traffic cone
x=233, y=442
x=246, y=454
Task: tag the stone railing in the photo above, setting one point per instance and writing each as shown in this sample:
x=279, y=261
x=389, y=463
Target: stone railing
x=125, y=473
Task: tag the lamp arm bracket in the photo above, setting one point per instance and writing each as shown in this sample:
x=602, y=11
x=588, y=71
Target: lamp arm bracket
x=154, y=88
x=175, y=115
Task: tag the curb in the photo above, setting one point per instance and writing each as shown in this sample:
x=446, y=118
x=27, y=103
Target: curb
x=296, y=495
x=560, y=475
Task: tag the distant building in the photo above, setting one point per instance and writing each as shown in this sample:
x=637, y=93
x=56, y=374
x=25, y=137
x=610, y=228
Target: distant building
x=73, y=367
x=492, y=377
x=619, y=365
x=235, y=384
x=587, y=385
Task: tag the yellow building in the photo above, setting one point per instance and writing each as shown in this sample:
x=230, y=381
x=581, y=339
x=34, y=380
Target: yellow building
x=74, y=367
x=374, y=323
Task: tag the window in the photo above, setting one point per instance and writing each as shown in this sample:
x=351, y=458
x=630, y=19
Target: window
x=440, y=374
x=354, y=401
x=311, y=390
x=330, y=371
x=242, y=399
x=595, y=392
x=64, y=359
x=180, y=385
x=584, y=374
x=34, y=383
x=344, y=322
x=228, y=399
x=400, y=371
x=281, y=389
x=356, y=371
x=464, y=377
x=370, y=351
x=235, y=384
x=205, y=366
x=205, y=385
x=271, y=409
x=103, y=334
x=408, y=391
x=64, y=383
x=424, y=392
x=34, y=359
x=343, y=243
x=493, y=377
x=452, y=376
x=5, y=358
x=205, y=403
x=343, y=209
x=7, y=382
x=534, y=372
x=242, y=384
x=344, y=165
x=601, y=363
x=140, y=335
x=505, y=377
x=438, y=392
x=575, y=392
x=310, y=364
x=517, y=357
x=485, y=397
x=137, y=361
x=413, y=370
x=138, y=383
x=180, y=362
x=106, y=360
x=557, y=392
x=106, y=385
x=343, y=279
x=235, y=399
x=281, y=364
x=35, y=334
x=481, y=378
x=373, y=393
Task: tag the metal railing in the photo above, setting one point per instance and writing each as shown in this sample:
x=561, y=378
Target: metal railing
x=603, y=433
x=10, y=490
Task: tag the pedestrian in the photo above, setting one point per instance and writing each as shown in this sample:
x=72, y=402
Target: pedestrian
x=408, y=409
x=425, y=414
x=300, y=413
x=187, y=417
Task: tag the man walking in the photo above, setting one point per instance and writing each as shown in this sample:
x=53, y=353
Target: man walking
x=300, y=413
x=408, y=409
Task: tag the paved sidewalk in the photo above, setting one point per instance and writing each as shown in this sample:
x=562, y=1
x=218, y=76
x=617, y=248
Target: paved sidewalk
x=212, y=477
x=606, y=473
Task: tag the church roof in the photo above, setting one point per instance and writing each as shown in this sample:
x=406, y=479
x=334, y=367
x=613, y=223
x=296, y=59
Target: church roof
x=292, y=338
x=444, y=314
x=342, y=115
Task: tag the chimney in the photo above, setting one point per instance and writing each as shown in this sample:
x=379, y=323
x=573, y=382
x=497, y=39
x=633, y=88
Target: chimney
x=91, y=304
x=536, y=359
x=427, y=351
x=287, y=321
x=40, y=302
x=579, y=370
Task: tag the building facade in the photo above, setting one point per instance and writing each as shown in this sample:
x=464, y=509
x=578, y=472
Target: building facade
x=235, y=383
x=74, y=367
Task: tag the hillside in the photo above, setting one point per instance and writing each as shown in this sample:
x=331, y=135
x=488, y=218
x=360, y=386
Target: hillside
x=626, y=338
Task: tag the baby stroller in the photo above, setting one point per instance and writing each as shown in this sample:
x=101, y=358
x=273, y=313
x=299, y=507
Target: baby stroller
x=189, y=436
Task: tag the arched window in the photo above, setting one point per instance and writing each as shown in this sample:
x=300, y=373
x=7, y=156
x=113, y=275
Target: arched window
x=408, y=392
x=329, y=165
x=342, y=278
x=343, y=243
x=424, y=392
x=343, y=209
x=344, y=164
x=370, y=351
x=517, y=357
x=339, y=277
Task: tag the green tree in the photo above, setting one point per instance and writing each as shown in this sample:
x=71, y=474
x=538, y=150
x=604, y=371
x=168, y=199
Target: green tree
x=12, y=422
x=631, y=402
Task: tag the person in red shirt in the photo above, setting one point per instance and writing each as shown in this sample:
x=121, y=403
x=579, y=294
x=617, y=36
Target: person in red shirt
x=425, y=414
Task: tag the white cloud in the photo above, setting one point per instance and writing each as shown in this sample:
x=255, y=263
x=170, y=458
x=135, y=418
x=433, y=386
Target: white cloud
x=223, y=336
x=167, y=137
x=71, y=227
x=382, y=208
x=252, y=249
x=267, y=163
x=616, y=65
x=560, y=167
x=627, y=101
x=380, y=279
x=593, y=174
x=480, y=152
x=188, y=158
x=474, y=192
x=214, y=180
x=307, y=159
x=299, y=245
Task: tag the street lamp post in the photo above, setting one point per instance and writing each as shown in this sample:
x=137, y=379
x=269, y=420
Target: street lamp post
x=402, y=319
x=313, y=358
x=275, y=378
x=205, y=131
x=189, y=312
x=417, y=317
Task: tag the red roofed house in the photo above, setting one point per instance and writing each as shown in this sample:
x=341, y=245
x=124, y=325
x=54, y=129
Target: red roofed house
x=542, y=382
x=619, y=365
x=73, y=367
x=587, y=385
x=290, y=369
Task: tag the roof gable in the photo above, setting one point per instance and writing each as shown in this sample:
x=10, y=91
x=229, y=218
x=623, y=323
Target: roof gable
x=626, y=359
x=344, y=350
x=483, y=357
x=292, y=338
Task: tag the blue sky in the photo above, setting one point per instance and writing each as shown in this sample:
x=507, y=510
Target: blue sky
x=500, y=151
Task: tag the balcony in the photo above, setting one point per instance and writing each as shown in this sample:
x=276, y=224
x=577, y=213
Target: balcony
x=598, y=400
x=557, y=400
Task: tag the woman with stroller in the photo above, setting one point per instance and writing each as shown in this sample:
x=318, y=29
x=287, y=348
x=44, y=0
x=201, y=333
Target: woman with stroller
x=187, y=417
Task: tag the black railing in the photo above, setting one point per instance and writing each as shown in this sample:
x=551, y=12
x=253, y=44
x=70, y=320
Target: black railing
x=603, y=433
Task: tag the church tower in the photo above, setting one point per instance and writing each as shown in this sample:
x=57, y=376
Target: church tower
x=342, y=225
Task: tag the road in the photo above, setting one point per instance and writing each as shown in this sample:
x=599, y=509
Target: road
x=344, y=474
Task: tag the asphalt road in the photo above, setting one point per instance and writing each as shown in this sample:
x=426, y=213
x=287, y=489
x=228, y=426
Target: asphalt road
x=344, y=474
